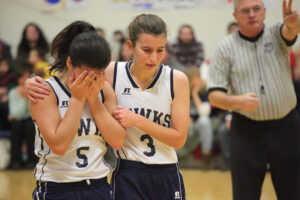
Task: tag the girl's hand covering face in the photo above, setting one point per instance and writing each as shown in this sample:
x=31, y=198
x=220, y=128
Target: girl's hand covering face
x=80, y=87
x=96, y=86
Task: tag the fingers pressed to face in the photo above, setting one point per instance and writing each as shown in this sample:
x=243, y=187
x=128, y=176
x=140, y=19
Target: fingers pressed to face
x=89, y=79
x=81, y=77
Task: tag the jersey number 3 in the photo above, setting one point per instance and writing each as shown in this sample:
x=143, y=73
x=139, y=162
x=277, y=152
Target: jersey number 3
x=83, y=157
x=149, y=144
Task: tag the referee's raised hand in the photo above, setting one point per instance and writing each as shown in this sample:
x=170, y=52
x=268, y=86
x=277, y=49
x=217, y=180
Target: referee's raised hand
x=290, y=16
x=291, y=20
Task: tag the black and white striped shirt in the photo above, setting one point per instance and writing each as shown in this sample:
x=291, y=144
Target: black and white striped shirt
x=259, y=65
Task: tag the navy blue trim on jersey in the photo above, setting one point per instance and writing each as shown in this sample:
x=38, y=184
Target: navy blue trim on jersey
x=42, y=141
x=102, y=95
x=129, y=75
x=288, y=42
x=118, y=153
x=156, y=77
x=62, y=86
x=57, y=99
x=115, y=75
x=171, y=83
x=217, y=89
x=44, y=157
x=132, y=80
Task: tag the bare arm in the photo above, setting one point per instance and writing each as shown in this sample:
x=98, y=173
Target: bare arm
x=110, y=129
x=247, y=102
x=109, y=73
x=60, y=132
x=174, y=136
x=291, y=27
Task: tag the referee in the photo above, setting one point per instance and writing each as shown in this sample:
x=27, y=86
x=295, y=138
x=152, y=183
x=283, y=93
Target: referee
x=254, y=64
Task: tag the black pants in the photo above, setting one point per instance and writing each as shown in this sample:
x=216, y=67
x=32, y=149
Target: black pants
x=20, y=130
x=4, y=123
x=254, y=144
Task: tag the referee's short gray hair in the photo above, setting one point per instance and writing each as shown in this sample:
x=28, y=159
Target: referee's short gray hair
x=235, y=2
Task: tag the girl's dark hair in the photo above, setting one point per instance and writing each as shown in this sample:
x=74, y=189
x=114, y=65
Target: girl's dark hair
x=80, y=41
x=189, y=27
x=24, y=47
x=146, y=23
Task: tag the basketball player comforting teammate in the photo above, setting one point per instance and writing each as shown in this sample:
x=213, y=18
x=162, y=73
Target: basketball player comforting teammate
x=75, y=115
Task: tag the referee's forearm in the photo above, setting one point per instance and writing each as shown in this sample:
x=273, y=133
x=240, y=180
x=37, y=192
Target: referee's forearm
x=224, y=101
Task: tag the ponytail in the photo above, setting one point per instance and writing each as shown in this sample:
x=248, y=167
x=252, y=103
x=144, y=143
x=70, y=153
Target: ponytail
x=61, y=44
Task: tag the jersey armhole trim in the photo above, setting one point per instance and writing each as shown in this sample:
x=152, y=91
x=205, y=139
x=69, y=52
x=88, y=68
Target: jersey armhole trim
x=171, y=83
x=62, y=86
x=102, y=96
x=57, y=99
x=115, y=75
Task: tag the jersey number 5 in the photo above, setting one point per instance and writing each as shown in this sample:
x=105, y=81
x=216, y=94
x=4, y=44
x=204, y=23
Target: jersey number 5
x=149, y=144
x=83, y=157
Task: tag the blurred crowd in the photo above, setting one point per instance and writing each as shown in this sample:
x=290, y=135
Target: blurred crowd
x=207, y=145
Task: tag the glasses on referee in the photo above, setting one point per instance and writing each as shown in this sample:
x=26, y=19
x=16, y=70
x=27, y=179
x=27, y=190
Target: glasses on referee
x=247, y=11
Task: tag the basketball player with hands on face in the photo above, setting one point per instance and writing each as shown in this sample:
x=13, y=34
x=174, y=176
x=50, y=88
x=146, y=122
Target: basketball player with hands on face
x=74, y=122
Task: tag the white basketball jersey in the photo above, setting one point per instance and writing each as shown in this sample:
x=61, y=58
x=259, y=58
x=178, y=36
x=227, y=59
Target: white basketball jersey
x=154, y=103
x=84, y=157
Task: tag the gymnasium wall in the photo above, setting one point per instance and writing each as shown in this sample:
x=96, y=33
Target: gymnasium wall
x=209, y=24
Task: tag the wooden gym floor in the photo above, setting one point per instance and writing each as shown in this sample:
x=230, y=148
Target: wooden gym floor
x=200, y=185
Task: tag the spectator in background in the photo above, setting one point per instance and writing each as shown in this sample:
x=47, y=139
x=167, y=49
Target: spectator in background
x=222, y=135
x=7, y=82
x=125, y=54
x=21, y=123
x=6, y=54
x=100, y=31
x=188, y=51
x=116, y=43
x=231, y=27
x=32, y=37
x=200, y=128
x=171, y=60
x=40, y=65
x=5, y=50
